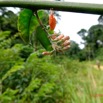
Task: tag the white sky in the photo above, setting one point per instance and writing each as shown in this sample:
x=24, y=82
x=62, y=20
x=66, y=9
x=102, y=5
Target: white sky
x=71, y=23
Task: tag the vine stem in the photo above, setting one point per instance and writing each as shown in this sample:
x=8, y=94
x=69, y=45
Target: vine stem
x=40, y=22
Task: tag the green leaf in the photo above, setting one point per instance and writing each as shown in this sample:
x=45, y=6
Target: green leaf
x=27, y=22
x=44, y=17
x=43, y=38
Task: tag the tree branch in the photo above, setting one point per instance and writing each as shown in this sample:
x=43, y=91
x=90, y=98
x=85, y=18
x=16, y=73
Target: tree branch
x=56, y=5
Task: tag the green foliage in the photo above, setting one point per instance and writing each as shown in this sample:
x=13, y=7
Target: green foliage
x=95, y=33
x=8, y=20
x=36, y=81
x=82, y=33
x=74, y=50
x=25, y=78
x=48, y=85
x=4, y=35
x=82, y=56
x=4, y=40
x=25, y=51
x=99, y=54
x=8, y=42
x=93, y=40
x=8, y=58
x=30, y=31
x=8, y=96
x=43, y=38
x=13, y=69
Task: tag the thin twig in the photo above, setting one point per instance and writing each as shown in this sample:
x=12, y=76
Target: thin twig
x=41, y=24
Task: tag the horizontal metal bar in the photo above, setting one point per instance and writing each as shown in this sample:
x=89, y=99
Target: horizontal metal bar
x=56, y=5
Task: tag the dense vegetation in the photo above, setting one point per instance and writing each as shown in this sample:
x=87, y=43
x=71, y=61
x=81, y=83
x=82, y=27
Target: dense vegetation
x=25, y=78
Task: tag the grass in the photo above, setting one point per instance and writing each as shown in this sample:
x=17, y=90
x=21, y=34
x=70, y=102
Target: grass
x=85, y=82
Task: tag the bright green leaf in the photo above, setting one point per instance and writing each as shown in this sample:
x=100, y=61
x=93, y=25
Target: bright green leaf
x=27, y=23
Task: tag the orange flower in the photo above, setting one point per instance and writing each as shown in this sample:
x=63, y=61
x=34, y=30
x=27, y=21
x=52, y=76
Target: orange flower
x=52, y=21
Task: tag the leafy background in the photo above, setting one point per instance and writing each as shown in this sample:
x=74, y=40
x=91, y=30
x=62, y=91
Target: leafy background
x=69, y=78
